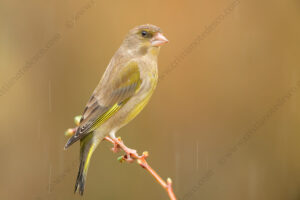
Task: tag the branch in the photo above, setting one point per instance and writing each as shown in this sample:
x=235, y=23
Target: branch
x=130, y=156
x=141, y=160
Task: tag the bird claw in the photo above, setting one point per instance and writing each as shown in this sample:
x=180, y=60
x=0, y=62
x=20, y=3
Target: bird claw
x=128, y=158
x=130, y=155
x=116, y=148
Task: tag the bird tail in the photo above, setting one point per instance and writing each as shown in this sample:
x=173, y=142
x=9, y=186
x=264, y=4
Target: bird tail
x=87, y=146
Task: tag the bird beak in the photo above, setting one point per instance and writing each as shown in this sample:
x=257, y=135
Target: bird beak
x=158, y=40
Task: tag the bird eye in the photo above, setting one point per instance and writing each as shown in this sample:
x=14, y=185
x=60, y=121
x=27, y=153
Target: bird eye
x=144, y=33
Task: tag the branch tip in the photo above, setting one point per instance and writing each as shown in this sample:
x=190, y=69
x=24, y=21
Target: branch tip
x=77, y=120
x=145, y=154
x=70, y=132
x=169, y=181
x=120, y=159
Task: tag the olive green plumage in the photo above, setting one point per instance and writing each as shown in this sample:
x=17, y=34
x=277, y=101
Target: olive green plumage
x=123, y=91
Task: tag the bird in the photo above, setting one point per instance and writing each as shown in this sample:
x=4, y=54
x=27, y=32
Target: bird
x=123, y=91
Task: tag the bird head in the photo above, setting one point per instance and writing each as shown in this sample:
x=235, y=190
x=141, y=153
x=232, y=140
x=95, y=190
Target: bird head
x=144, y=39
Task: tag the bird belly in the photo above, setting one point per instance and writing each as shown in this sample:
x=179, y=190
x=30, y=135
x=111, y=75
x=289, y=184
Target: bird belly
x=138, y=108
x=133, y=107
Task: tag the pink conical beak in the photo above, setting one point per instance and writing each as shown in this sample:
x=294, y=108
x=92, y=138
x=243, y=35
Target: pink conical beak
x=158, y=40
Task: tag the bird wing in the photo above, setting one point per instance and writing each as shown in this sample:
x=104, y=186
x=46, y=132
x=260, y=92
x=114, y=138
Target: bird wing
x=111, y=94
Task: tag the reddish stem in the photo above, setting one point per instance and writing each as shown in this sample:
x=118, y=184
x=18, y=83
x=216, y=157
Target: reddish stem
x=141, y=160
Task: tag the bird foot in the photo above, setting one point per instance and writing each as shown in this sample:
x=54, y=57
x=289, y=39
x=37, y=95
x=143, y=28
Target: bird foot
x=116, y=148
x=130, y=155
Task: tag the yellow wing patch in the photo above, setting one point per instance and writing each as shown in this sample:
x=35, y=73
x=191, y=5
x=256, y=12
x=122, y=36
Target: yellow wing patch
x=106, y=116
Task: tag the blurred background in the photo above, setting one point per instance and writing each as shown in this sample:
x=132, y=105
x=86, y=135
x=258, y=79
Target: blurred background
x=223, y=122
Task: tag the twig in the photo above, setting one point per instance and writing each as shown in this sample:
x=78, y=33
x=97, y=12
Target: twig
x=141, y=160
x=130, y=156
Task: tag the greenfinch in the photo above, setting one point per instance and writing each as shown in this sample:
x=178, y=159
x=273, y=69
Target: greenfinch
x=123, y=91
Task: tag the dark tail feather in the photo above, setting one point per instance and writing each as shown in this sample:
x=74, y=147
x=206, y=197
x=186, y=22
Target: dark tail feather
x=87, y=147
x=81, y=177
